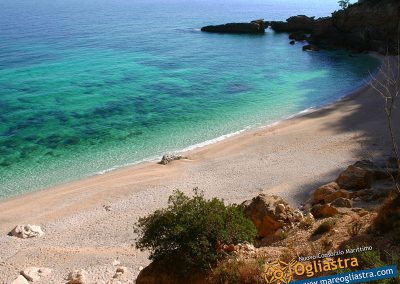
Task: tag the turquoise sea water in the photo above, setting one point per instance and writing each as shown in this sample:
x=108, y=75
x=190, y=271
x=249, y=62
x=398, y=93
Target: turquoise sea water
x=87, y=86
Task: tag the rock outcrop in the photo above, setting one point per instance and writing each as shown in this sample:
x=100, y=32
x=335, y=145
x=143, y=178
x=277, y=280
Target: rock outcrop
x=300, y=23
x=254, y=27
x=271, y=213
x=328, y=193
x=355, y=178
x=370, y=25
x=27, y=231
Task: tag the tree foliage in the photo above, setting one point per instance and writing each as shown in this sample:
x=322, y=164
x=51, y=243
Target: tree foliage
x=190, y=231
x=344, y=3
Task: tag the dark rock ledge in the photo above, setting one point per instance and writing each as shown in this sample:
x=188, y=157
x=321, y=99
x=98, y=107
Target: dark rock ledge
x=254, y=27
x=369, y=25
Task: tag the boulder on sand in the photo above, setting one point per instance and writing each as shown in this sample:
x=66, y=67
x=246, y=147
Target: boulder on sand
x=168, y=158
x=329, y=192
x=355, y=178
x=27, y=231
x=35, y=273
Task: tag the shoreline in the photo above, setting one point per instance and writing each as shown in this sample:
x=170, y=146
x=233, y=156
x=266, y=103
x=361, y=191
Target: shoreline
x=247, y=130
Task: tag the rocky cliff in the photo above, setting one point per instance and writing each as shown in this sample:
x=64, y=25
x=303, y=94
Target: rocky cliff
x=370, y=25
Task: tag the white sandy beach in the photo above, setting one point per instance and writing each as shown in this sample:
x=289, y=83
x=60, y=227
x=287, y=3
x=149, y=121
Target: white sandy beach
x=289, y=159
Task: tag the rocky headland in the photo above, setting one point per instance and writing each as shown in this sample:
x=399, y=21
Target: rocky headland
x=369, y=25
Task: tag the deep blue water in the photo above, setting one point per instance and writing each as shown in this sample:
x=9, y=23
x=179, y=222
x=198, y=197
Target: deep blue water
x=86, y=86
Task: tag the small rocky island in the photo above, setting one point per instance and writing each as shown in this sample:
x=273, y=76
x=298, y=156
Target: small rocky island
x=369, y=25
x=254, y=27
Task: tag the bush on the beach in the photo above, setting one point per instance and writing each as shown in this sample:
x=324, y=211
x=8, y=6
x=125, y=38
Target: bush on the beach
x=191, y=230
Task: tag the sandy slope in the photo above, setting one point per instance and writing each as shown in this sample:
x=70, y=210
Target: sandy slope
x=289, y=159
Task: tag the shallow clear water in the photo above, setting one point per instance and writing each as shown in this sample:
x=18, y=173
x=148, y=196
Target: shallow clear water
x=86, y=86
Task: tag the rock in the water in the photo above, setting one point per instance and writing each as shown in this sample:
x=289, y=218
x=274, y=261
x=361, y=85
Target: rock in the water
x=310, y=47
x=20, y=280
x=78, y=277
x=27, y=231
x=323, y=211
x=35, y=273
x=342, y=202
x=270, y=213
x=329, y=192
x=355, y=178
x=254, y=27
x=298, y=36
x=292, y=42
x=294, y=24
x=168, y=158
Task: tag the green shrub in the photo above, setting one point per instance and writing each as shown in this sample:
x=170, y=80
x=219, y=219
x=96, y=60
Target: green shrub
x=324, y=227
x=190, y=231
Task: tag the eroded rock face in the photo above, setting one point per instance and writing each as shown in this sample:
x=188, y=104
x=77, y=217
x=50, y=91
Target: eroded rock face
x=27, y=231
x=329, y=192
x=270, y=213
x=369, y=25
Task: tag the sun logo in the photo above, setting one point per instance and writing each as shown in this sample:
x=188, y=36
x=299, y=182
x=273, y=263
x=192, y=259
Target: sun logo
x=279, y=272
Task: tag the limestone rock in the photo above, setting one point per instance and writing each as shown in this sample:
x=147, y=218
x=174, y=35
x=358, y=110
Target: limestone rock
x=168, y=158
x=20, y=280
x=329, y=192
x=270, y=213
x=342, y=202
x=35, y=273
x=27, y=231
x=78, y=277
x=122, y=270
x=323, y=211
x=355, y=178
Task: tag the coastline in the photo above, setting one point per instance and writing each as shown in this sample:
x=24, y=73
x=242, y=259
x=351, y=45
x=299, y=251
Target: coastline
x=289, y=158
